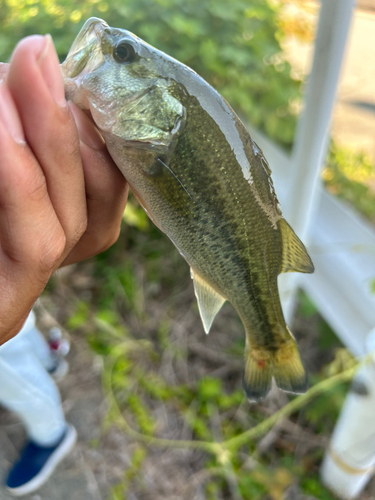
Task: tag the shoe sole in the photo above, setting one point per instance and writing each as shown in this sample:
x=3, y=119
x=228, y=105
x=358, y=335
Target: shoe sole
x=61, y=370
x=57, y=456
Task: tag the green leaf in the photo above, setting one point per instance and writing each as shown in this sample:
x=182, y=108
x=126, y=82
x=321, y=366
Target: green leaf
x=209, y=388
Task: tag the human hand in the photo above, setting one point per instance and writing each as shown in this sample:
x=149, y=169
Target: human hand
x=61, y=196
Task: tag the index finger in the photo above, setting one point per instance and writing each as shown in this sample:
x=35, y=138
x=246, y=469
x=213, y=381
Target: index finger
x=36, y=84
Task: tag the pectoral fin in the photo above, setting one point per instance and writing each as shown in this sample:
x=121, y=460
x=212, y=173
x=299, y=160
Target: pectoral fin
x=295, y=257
x=209, y=301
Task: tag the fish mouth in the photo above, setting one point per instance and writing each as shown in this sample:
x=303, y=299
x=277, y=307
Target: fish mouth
x=85, y=54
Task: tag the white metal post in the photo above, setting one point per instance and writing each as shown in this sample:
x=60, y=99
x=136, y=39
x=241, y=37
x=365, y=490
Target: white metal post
x=313, y=127
x=350, y=460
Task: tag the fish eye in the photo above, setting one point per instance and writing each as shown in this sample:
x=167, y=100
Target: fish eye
x=123, y=52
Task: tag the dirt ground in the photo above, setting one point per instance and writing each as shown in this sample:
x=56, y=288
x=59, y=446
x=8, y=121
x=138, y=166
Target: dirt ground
x=100, y=458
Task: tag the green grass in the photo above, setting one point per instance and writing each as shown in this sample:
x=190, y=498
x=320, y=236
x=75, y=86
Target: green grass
x=351, y=176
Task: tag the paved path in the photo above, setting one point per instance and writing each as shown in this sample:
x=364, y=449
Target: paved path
x=353, y=122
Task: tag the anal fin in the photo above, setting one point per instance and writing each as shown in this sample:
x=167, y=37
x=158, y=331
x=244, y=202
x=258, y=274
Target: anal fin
x=209, y=301
x=295, y=257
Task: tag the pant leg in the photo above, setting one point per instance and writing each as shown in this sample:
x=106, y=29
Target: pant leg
x=27, y=389
x=37, y=343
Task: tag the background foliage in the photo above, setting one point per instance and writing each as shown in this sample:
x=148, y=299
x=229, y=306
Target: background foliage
x=350, y=175
x=234, y=45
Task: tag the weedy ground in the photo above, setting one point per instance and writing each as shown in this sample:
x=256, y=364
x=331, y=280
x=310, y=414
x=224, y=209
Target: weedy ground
x=164, y=378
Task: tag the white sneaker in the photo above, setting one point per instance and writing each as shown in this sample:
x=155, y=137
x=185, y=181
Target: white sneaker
x=59, y=348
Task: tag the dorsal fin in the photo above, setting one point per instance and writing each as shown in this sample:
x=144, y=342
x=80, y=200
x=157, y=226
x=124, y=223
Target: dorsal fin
x=295, y=256
x=209, y=301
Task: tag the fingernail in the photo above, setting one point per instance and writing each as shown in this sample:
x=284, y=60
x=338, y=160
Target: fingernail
x=9, y=115
x=50, y=68
x=87, y=131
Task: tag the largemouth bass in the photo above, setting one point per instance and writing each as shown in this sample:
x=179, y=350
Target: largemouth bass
x=203, y=181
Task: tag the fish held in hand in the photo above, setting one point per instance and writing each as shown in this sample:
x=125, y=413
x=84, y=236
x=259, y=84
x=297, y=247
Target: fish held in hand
x=203, y=181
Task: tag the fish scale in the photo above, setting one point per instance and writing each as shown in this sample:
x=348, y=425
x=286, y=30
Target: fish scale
x=223, y=211
x=194, y=168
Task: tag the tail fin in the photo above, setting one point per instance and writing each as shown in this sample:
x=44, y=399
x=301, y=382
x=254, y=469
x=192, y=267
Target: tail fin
x=284, y=365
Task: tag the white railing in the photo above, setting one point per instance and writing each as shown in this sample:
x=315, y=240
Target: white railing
x=340, y=242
